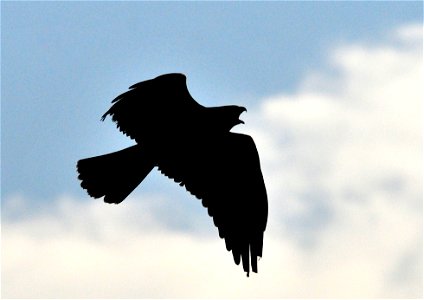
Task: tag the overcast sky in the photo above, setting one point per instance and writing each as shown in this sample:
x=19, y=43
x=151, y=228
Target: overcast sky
x=333, y=92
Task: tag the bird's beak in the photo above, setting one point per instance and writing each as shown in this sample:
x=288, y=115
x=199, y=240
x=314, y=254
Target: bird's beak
x=243, y=110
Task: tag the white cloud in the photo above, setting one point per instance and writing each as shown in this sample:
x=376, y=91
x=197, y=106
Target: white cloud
x=410, y=33
x=342, y=162
x=348, y=147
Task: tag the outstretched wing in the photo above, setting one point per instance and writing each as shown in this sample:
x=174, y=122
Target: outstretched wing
x=153, y=107
x=225, y=173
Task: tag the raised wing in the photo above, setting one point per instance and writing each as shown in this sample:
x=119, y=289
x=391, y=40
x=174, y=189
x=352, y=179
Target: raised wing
x=225, y=173
x=153, y=107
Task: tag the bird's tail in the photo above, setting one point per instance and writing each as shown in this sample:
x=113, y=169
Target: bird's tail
x=114, y=175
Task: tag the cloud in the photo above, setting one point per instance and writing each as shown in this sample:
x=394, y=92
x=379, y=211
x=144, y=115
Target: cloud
x=342, y=161
x=345, y=158
x=411, y=33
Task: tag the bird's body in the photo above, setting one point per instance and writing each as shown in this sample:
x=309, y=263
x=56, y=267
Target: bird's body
x=192, y=145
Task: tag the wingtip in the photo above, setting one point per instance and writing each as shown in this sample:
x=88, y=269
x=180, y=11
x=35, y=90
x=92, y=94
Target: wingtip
x=105, y=115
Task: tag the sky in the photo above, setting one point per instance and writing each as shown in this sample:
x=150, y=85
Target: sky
x=333, y=92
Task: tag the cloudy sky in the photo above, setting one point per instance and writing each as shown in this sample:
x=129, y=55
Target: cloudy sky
x=333, y=91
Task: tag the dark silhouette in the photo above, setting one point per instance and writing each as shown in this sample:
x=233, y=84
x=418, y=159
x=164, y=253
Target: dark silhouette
x=192, y=145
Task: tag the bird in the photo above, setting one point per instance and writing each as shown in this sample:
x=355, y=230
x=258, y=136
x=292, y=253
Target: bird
x=194, y=146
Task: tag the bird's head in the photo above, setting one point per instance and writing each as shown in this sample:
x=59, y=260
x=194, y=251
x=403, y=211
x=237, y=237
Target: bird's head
x=231, y=116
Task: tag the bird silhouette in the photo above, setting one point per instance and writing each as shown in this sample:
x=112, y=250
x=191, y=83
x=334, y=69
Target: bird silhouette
x=192, y=145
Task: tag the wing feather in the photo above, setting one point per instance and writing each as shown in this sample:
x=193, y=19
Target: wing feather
x=225, y=173
x=153, y=106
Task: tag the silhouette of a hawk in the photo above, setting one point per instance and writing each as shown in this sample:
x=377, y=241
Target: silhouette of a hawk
x=192, y=145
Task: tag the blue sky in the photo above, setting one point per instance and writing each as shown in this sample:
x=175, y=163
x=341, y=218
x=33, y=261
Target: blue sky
x=62, y=64
x=313, y=76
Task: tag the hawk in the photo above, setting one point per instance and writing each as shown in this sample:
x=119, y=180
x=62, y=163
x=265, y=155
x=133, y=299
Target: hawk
x=193, y=145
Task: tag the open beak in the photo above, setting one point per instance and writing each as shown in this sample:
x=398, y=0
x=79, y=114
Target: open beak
x=241, y=121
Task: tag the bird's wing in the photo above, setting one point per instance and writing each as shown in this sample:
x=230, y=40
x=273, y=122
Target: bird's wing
x=152, y=105
x=225, y=173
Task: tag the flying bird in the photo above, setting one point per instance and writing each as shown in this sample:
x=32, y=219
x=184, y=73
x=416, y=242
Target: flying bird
x=193, y=145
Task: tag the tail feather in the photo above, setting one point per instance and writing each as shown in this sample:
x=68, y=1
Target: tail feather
x=114, y=175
